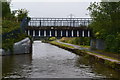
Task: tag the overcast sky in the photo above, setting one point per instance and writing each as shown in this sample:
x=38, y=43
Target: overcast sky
x=53, y=9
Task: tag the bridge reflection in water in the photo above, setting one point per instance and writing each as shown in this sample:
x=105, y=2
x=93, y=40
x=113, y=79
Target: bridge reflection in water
x=59, y=27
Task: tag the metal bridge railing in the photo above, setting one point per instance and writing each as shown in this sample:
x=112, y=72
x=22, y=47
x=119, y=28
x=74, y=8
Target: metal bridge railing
x=71, y=22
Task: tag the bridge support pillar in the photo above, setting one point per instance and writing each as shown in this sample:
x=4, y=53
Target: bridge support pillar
x=66, y=33
x=45, y=33
x=33, y=32
x=83, y=33
x=39, y=32
x=61, y=33
x=50, y=33
x=72, y=33
x=56, y=33
x=77, y=33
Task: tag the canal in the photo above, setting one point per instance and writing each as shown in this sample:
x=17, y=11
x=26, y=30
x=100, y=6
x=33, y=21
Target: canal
x=48, y=61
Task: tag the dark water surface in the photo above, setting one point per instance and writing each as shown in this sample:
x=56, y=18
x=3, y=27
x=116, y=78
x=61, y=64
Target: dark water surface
x=48, y=61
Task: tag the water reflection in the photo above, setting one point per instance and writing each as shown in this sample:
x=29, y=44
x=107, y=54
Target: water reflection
x=98, y=68
x=14, y=66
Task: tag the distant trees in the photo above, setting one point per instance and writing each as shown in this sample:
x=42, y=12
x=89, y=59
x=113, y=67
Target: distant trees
x=106, y=23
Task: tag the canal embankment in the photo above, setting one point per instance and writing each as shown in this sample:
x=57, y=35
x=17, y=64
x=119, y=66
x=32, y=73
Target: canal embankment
x=14, y=40
x=103, y=59
x=23, y=46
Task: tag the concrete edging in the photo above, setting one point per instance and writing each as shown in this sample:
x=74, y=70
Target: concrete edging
x=22, y=47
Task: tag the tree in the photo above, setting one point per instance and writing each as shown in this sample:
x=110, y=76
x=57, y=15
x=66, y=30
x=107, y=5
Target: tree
x=6, y=9
x=22, y=13
x=106, y=18
x=106, y=23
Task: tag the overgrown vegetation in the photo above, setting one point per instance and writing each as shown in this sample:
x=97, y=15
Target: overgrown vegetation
x=106, y=24
x=52, y=38
x=8, y=26
x=84, y=41
x=10, y=22
x=7, y=44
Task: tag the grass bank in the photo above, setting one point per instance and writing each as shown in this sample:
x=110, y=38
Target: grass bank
x=66, y=47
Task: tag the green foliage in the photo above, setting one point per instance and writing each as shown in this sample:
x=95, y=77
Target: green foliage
x=21, y=13
x=8, y=15
x=106, y=18
x=113, y=43
x=8, y=25
x=7, y=44
x=6, y=10
x=52, y=38
x=106, y=23
x=77, y=40
x=61, y=45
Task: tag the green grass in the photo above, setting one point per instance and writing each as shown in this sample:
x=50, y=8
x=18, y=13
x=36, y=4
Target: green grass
x=84, y=46
x=64, y=45
x=72, y=41
x=103, y=55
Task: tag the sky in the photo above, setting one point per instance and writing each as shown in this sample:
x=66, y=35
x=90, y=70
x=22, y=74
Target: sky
x=54, y=8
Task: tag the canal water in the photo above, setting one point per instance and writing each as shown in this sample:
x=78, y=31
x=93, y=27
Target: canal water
x=48, y=61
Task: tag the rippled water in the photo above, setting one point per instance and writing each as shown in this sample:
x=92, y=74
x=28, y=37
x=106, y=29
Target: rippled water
x=48, y=61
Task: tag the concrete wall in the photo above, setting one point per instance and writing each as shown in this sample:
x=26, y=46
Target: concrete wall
x=21, y=47
x=97, y=44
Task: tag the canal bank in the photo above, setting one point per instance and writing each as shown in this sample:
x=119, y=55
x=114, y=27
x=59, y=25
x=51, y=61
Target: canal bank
x=107, y=61
x=23, y=46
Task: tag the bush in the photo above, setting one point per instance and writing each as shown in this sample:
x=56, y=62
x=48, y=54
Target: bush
x=77, y=40
x=113, y=43
x=52, y=38
x=8, y=26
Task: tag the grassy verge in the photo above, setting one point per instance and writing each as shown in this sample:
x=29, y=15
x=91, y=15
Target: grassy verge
x=82, y=42
x=104, y=56
x=84, y=46
x=108, y=61
x=64, y=45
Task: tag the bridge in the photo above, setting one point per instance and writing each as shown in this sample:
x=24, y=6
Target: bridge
x=57, y=27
